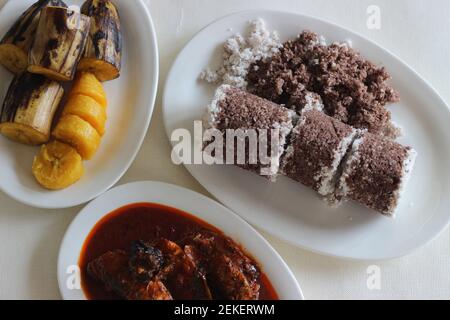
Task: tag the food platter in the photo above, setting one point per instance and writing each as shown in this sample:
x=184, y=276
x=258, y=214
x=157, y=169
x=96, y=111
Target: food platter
x=130, y=106
x=197, y=205
x=361, y=172
x=293, y=212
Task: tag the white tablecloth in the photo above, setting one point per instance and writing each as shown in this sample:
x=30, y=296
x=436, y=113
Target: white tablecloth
x=418, y=31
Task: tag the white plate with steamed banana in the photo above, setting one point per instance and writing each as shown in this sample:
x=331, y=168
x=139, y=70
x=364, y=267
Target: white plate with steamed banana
x=33, y=110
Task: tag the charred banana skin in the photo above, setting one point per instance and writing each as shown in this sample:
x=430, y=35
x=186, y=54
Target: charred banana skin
x=29, y=107
x=59, y=43
x=103, y=53
x=16, y=43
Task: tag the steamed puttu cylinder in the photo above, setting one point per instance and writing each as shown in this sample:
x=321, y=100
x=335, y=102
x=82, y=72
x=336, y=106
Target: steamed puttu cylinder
x=318, y=145
x=234, y=109
x=376, y=172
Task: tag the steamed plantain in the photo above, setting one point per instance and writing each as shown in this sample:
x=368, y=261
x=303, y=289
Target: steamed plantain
x=87, y=109
x=57, y=166
x=79, y=134
x=16, y=43
x=103, y=53
x=59, y=43
x=87, y=84
x=30, y=105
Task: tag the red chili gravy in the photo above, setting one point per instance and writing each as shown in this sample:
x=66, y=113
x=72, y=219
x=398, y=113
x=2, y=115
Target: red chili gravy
x=142, y=221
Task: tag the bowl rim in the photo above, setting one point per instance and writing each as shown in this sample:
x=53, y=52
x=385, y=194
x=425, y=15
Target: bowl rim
x=267, y=257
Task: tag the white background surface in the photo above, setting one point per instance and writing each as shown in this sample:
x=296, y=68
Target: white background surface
x=417, y=31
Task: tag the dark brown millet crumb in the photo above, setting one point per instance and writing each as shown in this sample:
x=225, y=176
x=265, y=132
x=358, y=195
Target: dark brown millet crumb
x=353, y=89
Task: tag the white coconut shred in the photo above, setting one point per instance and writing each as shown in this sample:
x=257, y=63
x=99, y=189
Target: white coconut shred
x=240, y=52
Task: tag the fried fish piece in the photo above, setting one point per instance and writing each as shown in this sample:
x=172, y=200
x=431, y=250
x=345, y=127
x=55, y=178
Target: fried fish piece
x=112, y=269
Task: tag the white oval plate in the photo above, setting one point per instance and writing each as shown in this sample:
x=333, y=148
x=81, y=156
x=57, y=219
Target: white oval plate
x=197, y=205
x=291, y=211
x=131, y=100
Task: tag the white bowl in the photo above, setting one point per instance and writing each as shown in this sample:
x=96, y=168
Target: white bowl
x=131, y=100
x=197, y=205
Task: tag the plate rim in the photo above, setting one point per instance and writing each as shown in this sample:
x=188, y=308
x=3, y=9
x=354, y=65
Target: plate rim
x=155, y=184
x=280, y=236
x=153, y=41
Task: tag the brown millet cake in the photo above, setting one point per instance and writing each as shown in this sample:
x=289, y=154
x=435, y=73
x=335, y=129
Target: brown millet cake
x=233, y=108
x=376, y=172
x=353, y=89
x=318, y=144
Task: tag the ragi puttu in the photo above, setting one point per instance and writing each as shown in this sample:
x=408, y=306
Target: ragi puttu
x=234, y=109
x=376, y=172
x=318, y=145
